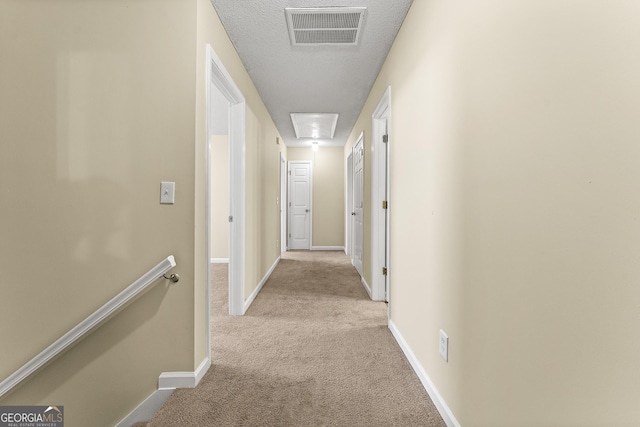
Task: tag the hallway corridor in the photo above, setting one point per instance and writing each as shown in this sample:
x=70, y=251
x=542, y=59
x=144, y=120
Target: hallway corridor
x=313, y=350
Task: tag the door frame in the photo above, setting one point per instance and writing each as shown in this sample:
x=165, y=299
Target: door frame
x=216, y=74
x=284, y=242
x=348, y=248
x=310, y=163
x=359, y=141
x=380, y=191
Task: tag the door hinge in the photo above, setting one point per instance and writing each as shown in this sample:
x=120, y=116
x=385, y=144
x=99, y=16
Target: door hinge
x=385, y=138
x=384, y=271
x=289, y=235
x=230, y=218
x=384, y=204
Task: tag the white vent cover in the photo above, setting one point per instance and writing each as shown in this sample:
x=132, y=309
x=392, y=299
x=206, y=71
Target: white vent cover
x=325, y=25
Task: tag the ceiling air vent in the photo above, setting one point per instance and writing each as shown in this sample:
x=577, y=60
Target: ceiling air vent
x=325, y=25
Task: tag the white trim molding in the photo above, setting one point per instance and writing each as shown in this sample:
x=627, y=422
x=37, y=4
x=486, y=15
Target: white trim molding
x=218, y=76
x=327, y=248
x=434, y=394
x=146, y=410
x=168, y=382
x=366, y=286
x=173, y=380
x=255, y=293
x=219, y=261
x=381, y=125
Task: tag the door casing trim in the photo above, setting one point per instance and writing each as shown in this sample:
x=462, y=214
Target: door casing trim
x=380, y=191
x=217, y=75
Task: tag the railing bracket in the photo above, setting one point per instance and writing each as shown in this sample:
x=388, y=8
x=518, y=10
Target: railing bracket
x=174, y=278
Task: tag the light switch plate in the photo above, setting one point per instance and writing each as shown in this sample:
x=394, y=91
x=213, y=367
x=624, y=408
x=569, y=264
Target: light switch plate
x=444, y=345
x=167, y=192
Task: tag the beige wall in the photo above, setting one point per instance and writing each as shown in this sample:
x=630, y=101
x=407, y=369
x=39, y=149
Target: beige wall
x=95, y=111
x=219, y=245
x=514, y=206
x=328, y=194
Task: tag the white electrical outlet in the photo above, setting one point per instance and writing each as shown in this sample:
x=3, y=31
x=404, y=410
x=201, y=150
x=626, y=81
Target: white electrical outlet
x=444, y=345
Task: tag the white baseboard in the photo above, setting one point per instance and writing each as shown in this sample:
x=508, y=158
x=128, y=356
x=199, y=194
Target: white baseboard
x=441, y=405
x=147, y=409
x=219, y=261
x=167, y=383
x=202, y=369
x=257, y=290
x=327, y=248
x=366, y=286
x=173, y=380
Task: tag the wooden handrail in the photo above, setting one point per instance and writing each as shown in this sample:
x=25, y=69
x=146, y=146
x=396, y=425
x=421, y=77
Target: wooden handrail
x=82, y=328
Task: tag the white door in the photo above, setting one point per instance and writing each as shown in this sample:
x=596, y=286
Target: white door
x=358, y=203
x=380, y=202
x=384, y=217
x=349, y=210
x=283, y=204
x=299, y=205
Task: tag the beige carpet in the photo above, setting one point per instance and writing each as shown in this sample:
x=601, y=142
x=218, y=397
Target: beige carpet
x=313, y=350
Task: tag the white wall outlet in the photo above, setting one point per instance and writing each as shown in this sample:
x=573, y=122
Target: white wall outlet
x=444, y=345
x=167, y=192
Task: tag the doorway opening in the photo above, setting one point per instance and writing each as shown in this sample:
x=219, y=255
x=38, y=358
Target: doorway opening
x=348, y=248
x=358, y=206
x=300, y=205
x=283, y=203
x=381, y=142
x=221, y=91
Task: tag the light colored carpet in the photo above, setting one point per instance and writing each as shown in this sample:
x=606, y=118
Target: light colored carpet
x=313, y=350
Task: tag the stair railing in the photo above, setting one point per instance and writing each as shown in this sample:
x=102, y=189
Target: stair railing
x=93, y=320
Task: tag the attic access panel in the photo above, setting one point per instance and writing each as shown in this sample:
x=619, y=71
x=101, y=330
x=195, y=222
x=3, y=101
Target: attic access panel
x=314, y=125
x=325, y=25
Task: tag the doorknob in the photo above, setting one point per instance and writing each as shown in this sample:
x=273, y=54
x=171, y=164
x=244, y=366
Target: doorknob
x=353, y=213
x=306, y=210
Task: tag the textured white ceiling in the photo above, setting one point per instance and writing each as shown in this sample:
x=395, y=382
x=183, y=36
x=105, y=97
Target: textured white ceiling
x=310, y=79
